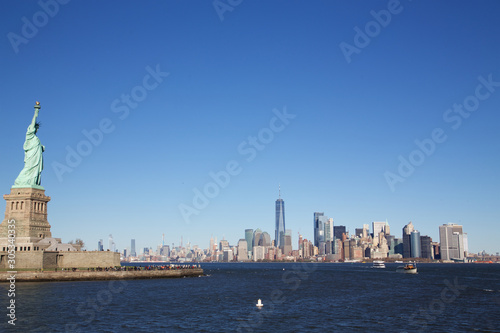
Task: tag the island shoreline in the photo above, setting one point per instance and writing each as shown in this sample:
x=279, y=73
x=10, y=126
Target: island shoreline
x=58, y=276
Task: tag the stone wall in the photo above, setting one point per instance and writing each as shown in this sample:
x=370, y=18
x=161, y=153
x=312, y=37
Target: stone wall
x=61, y=259
x=69, y=259
x=49, y=259
x=32, y=259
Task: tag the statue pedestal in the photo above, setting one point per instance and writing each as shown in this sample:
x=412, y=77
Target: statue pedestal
x=28, y=207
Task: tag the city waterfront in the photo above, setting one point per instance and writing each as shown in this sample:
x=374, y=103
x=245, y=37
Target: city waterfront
x=323, y=297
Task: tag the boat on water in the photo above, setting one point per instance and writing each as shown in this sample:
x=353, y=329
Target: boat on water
x=408, y=269
x=378, y=264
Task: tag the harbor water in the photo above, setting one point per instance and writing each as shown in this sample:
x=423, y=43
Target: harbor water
x=297, y=297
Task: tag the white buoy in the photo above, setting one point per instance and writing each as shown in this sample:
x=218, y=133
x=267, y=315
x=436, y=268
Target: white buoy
x=259, y=303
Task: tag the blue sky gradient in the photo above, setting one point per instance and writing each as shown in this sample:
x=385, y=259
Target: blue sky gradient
x=352, y=120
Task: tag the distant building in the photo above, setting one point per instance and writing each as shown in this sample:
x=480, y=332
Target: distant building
x=352, y=246
x=242, y=250
x=259, y=253
x=111, y=244
x=286, y=248
x=452, y=242
x=390, y=243
x=211, y=246
x=407, y=230
x=357, y=253
x=319, y=227
x=378, y=227
x=132, y=248
x=307, y=249
x=337, y=248
x=329, y=247
x=347, y=250
x=265, y=239
x=415, y=244
x=223, y=245
x=436, y=250
x=466, y=244
x=398, y=246
x=366, y=230
x=426, y=247
x=165, y=251
x=256, y=237
x=280, y=220
x=329, y=235
x=100, y=245
x=227, y=255
x=249, y=239
x=338, y=231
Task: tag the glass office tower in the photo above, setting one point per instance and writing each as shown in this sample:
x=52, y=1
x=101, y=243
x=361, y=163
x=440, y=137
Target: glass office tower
x=280, y=221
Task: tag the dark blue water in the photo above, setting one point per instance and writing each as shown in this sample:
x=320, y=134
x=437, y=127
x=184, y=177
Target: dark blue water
x=300, y=298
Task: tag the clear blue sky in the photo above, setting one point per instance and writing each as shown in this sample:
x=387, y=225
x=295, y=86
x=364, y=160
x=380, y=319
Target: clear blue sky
x=352, y=119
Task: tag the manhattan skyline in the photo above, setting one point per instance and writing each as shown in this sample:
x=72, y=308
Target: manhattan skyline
x=168, y=119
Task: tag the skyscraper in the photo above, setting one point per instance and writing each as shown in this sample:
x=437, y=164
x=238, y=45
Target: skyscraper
x=415, y=245
x=249, y=239
x=338, y=230
x=256, y=237
x=390, y=243
x=165, y=251
x=100, y=245
x=132, y=248
x=242, y=250
x=265, y=239
x=211, y=246
x=366, y=230
x=329, y=230
x=466, y=244
x=378, y=227
x=286, y=244
x=452, y=242
x=407, y=230
x=111, y=243
x=426, y=247
x=280, y=220
x=223, y=245
x=319, y=228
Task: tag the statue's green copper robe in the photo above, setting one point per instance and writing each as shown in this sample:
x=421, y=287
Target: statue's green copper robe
x=33, y=158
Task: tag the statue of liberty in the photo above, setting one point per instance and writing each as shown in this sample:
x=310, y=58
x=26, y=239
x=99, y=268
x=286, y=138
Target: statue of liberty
x=30, y=176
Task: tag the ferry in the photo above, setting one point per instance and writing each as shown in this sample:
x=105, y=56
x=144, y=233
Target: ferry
x=408, y=269
x=378, y=264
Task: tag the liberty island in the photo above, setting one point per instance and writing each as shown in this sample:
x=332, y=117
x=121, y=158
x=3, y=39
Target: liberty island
x=26, y=240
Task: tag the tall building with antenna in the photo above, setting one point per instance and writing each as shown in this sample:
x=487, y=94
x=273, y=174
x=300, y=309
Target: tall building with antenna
x=280, y=220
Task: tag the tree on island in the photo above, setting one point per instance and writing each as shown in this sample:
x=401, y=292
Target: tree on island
x=78, y=242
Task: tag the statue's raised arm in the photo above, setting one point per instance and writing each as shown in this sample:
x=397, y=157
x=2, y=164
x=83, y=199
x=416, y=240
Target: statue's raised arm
x=30, y=176
x=33, y=125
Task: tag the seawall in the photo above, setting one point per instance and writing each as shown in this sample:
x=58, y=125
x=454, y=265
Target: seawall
x=48, y=276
